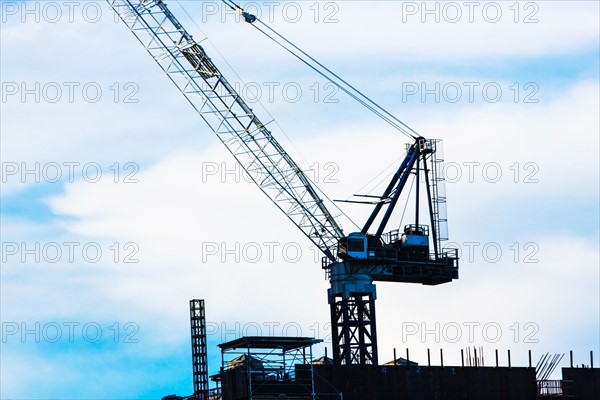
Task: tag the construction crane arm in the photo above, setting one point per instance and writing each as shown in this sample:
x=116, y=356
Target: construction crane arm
x=188, y=66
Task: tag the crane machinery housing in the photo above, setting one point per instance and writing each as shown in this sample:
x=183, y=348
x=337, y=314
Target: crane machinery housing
x=353, y=262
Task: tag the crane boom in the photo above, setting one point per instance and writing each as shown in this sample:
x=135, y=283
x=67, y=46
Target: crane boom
x=250, y=142
x=353, y=262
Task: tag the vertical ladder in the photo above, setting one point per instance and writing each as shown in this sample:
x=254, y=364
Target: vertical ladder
x=199, y=358
x=438, y=188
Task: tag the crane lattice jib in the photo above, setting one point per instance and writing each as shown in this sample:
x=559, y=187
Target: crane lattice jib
x=245, y=136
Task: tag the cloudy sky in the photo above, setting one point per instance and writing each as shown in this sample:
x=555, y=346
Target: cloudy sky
x=119, y=205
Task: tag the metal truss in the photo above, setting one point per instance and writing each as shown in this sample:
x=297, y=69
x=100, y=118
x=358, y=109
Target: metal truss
x=231, y=119
x=354, y=338
x=199, y=351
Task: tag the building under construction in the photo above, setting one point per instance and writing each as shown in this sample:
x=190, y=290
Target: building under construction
x=271, y=367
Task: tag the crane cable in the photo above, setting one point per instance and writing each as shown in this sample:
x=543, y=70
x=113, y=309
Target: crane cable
x=357, y=95
x=268, y=113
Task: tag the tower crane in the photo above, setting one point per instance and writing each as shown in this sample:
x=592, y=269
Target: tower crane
x=353, y=262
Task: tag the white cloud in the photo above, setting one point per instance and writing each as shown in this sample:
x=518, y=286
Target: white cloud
x=171, y=212
x=175, y=211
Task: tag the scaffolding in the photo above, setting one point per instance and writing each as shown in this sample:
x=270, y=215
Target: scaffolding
x=269, y=367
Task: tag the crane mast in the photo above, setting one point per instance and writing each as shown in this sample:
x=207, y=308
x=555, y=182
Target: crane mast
x=188, y=66
x=352, y=262
x=393, y=256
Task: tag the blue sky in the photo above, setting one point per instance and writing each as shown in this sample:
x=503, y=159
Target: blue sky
x=174, y=219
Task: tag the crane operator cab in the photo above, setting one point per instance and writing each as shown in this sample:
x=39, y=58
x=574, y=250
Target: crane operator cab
x=356, y=246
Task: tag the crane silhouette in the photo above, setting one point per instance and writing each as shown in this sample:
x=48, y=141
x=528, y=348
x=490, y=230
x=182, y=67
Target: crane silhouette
x=353, y=262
